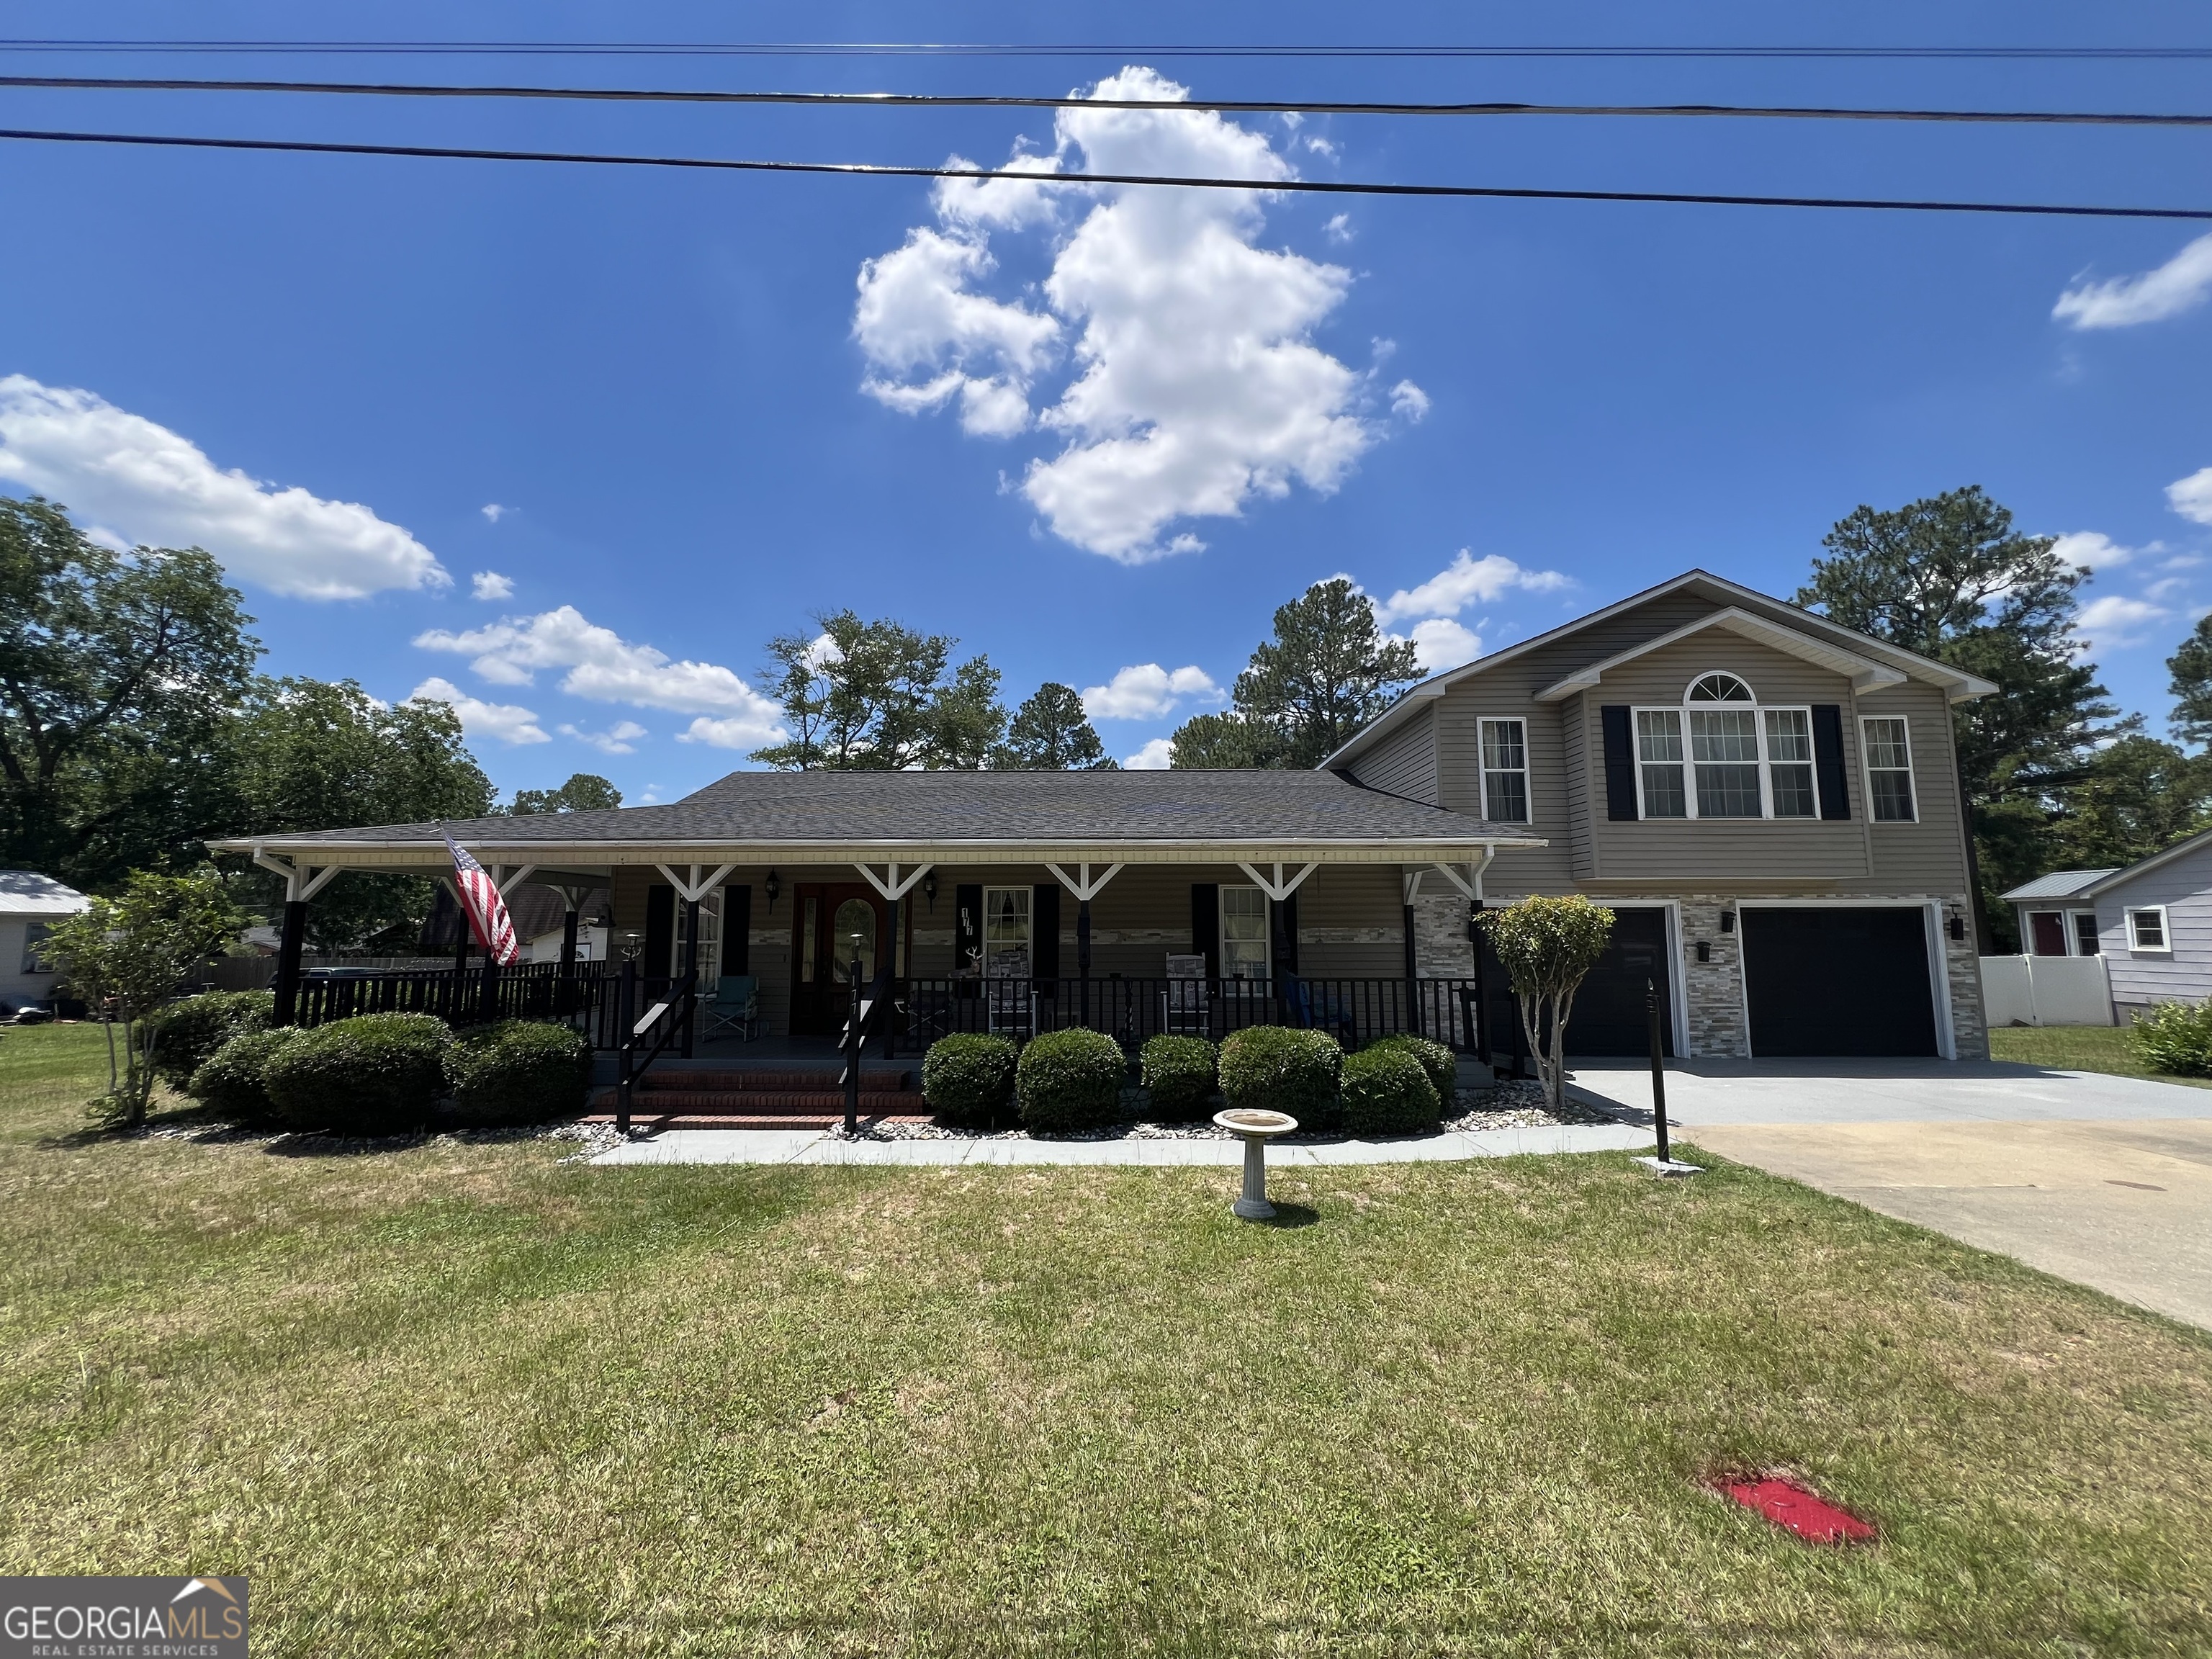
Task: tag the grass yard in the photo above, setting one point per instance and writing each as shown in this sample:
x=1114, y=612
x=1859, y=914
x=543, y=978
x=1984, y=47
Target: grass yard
x=460, y=1398
x=2080, y=1048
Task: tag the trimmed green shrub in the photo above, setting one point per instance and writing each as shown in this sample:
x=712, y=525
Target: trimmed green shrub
x=1071, y=1080
x=519, y=1071
x=2176, y=1037
x=1438, y=1062
x=379, y=1074
x=231, y=1081
x=187, y=1033
x=968, y=1078
x=1387, y=1092
x=1272, y=1068
x=1179, y=1071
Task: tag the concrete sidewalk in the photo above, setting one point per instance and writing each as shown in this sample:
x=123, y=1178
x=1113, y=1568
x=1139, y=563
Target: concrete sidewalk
x=1702, y=1091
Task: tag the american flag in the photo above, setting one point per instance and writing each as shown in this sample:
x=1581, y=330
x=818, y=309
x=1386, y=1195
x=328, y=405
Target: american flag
x=488, y=918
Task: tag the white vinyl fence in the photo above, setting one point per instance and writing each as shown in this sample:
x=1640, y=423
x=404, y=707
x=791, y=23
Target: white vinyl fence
x=2046, y=991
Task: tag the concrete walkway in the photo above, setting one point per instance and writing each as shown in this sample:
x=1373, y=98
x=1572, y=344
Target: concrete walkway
x=817, y=1146
x=2106, y=1181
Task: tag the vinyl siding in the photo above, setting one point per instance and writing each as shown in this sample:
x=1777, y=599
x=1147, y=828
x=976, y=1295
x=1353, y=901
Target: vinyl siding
x=2184, y=887
x=1930, y=855
x=1405, y=762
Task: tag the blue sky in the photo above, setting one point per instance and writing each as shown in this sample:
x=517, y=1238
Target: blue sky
x=710, y=405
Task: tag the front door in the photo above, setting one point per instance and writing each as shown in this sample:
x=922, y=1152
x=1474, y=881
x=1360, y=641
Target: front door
x=832, y=922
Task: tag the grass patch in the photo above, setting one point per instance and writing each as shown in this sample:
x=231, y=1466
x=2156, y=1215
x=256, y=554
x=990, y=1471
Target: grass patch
x=461, y=1398
x=2080, y=1048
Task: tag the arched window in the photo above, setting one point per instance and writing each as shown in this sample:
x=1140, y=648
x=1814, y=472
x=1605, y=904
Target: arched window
x=1720, y=754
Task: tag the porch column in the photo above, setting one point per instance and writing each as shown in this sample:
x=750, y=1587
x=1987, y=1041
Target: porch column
x=690, y=967
x=287, y=960
x=1083, y=952
x=1411, y=887
x=890, y=981
x=564, y=998
x=460, y=956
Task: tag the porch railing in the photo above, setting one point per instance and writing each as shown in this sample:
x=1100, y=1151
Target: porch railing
x=529, y=990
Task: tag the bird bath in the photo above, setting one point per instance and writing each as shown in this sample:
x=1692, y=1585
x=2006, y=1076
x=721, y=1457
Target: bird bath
x=1256, y=1128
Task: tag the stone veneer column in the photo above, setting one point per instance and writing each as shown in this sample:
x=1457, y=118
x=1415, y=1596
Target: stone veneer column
x=1441, y=947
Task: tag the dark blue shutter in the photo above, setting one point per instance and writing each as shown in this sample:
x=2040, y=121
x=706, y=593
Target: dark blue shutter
x=737, y=930
x=1828, y=759
x=660, y=931
x=1044, y=931
x=968, y=930
x=1619, y=761
x=1206, y=925
x=1284, y=917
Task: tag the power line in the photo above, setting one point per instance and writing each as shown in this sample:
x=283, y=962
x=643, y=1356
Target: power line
x=962, y=101
x=1295, y=186
x=1027, y=49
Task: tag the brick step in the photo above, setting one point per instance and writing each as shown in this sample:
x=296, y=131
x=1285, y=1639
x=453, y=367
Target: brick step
x=691, y=1081
x=772, y=1105
x=659, y=1122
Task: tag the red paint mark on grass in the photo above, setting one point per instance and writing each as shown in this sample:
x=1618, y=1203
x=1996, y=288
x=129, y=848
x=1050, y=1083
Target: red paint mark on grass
x=1793, y=1508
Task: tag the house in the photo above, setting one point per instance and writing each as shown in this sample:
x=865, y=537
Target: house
x=2151, y=920
x=1770, y=800
x=540, y=915
x=30, y=904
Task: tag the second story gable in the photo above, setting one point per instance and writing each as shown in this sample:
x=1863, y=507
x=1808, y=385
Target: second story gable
x=1698, y=732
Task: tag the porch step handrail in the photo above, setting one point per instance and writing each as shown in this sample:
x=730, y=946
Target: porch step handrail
x=670, y=1015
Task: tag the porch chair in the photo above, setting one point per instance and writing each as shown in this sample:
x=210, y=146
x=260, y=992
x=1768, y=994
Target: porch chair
x=1010, y=1006
x=735, y=1007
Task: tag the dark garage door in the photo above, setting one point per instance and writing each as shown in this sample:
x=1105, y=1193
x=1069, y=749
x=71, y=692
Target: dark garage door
x=1607, y=1017
x=1838, y=979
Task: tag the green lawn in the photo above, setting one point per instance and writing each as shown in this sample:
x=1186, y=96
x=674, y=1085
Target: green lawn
x=2080, y=1048
x=461, y=1399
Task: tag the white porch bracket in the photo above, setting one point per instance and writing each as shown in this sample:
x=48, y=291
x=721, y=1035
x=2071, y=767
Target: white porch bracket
x=894, y=887
x=1278, y=890
x=1080, y=883
x=302, y=882
x=507, y=884
x=1470, y=884
x=693, y=890
x=1412, y=880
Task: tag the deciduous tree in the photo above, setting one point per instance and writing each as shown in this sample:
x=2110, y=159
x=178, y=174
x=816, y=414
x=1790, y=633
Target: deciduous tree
x=876, y=697
x=1050, y=732
x=1547, y=947
x=585, y=792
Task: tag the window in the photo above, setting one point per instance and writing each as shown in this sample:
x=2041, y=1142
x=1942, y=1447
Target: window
x=2085, y=934
x=34, y=935
x=2147, y=930
x=1505, y=771
x=1889, y=768
x=1006, y=932
x=1722, y=756
x=1245, y=953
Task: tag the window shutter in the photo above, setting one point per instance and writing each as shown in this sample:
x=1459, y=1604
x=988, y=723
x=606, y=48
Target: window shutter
x=660, y=931
x=968, y=930
x=1206, y=925
x=1044, y=931
x=1619, y=762
x=1284, y=917
x=737, y=930
x=1828, y=759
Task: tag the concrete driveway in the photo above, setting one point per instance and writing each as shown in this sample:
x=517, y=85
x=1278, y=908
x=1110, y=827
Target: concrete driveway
x=2106, y=1181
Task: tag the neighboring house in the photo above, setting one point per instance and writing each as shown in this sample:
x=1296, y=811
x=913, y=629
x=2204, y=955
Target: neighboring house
x=538, y=912
x=29, y=906
x=1771, y=802
x=2151, y=920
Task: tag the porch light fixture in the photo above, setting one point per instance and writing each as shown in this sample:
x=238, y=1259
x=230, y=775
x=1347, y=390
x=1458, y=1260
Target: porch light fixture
x=1728, y=921
x=929, y=890
x=772, y=886
x=1704, y=950
x=631, y=944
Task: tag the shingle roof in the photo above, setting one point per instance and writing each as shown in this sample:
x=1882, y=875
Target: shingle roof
x=2059, y=884
x=985, y=807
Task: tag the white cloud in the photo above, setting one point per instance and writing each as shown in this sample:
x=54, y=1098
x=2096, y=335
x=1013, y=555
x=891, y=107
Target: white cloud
x=504, y=720
x=1157, y=756
x=1146, y=691
x=2113, y=621
x=2191, y=496
x=606, y=667
x=2178, y=285
x=2091, y=548
x=145, y=483
x=1463, y=582
x=490, y=585
x=1323, y=147
x=2166, y=587
x=1408, y=402
x=1198, y=386
x=1440, y=643
x=494, y=511
x=1339, y=229
x=617, y=739
x=753, y=731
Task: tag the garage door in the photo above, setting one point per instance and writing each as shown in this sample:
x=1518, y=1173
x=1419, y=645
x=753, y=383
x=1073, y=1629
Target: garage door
x=1609, y=1017
x=1838, y=979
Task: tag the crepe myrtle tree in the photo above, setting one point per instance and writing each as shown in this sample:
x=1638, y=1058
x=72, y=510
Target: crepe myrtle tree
x=128, y=956
x=1547, y=946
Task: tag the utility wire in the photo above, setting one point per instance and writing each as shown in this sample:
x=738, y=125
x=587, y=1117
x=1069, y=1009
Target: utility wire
x=1301, y=187
x=1244, y=106
x=1024, y=49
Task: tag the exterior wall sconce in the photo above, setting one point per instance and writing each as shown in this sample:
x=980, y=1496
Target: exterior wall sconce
x=772, y=886
x=929, y=890
x=1704, y=950
x=1728, y=921
x=1958, y=926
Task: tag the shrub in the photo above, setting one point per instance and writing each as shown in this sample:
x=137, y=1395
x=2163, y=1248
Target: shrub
x=188, y=1033
x=1387, y=1092
x=519, y=1071
x=1071, y=1080
x=968, y=1078
x=1438, y=1062
x=2176, y=1037
x=1179, y=1071
x=378, y=1074
x=1272, y=1068
x=233, y=1080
